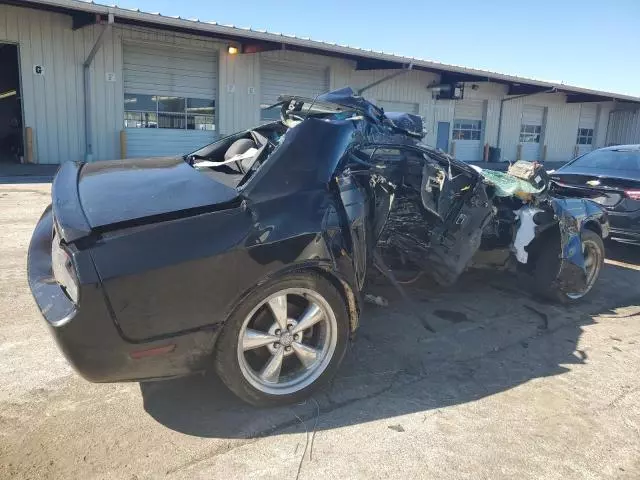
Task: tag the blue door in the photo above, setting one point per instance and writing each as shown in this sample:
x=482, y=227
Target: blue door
x=442, y=140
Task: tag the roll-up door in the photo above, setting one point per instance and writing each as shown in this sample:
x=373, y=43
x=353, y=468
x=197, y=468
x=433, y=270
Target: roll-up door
x=170, y=99
x=468, y=129
x=289, y=78
x=405, y=107
x=586, y=128
x=531, y=132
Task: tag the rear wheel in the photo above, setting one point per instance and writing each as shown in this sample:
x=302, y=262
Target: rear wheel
x=284, y=340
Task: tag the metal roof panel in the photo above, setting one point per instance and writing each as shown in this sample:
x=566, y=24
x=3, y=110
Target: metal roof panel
x=212, y=28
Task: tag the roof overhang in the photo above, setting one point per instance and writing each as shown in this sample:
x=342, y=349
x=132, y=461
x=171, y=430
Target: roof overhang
x=85, y=13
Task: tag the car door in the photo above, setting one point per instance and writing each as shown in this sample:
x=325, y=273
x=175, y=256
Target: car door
x=438, y=212
x=464, y=210
x=367, y=198
x=355, y=201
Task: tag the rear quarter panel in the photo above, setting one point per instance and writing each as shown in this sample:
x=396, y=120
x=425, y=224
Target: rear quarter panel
x=186, y=274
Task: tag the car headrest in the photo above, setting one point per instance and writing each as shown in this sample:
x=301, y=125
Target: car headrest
x=239, y=147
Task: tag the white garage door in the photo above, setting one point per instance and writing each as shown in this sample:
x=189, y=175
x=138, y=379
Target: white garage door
x=404, y=107
x=289, y=78
x=531, y=132
x=170, y=99
x=586, y=127
x=468, y=129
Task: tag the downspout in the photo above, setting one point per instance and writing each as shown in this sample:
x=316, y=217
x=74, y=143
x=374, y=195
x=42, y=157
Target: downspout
x=86, y=71
x=553, y=90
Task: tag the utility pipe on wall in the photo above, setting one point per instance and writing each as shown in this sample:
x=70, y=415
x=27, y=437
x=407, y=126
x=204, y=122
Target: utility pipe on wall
x=386, y=78
x=86, y=70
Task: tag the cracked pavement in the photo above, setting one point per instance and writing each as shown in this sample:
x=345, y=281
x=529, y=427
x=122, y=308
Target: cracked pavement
x=508, y=386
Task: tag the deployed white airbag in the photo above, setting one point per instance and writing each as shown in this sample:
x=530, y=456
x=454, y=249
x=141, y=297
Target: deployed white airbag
x=526, y=232
x=236, y=158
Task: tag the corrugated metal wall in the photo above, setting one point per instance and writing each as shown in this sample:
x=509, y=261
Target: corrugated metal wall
x=602, y=124
x=47, y=39
x=588, y=121
x=173, y=71
x=53, y=104
x=240, y=91
x=151, y=69
x=395, y=106
x=470, y=150
x=410, y=87
x=559, y=129
x=624, y=127
x=198, y=58
x=492, y=93
x=278, y=77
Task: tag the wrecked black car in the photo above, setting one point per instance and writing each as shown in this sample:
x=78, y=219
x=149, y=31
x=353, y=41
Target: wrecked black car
x=251, y=254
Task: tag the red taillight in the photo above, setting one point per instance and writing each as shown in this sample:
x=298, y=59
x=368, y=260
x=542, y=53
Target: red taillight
x=633, y=194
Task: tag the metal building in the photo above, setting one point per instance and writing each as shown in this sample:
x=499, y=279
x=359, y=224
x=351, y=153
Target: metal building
x=80, y=80
x=624, y=127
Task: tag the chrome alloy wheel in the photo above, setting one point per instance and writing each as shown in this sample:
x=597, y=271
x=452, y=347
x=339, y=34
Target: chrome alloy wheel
x=592, y=264
x=287, y=341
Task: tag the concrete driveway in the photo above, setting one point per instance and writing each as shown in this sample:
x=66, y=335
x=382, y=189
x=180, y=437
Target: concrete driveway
x=508, y=387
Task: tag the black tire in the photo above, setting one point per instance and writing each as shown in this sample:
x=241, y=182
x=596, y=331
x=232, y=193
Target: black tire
x=227, y=361
x=547, y=267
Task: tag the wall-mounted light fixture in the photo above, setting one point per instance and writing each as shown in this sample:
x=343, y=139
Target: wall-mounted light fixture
x=233, y=50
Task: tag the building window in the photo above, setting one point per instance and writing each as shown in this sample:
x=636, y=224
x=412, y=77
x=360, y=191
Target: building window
x=530, y=133
x=200, y=114
x=270, y=115
x=585, y=136
x=467, y=129
x=178, y=113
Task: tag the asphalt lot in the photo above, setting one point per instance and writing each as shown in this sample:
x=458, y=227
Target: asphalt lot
x=508, y=387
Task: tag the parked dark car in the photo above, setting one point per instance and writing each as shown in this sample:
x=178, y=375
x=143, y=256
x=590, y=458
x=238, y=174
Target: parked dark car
x=611, y=177
x=251, y=254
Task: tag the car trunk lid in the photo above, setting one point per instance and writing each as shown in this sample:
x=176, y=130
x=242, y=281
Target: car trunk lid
x=102, y=196
x=612, y=190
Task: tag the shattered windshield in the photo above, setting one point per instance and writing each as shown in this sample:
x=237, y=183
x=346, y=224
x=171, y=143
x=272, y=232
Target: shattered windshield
x=507, y=185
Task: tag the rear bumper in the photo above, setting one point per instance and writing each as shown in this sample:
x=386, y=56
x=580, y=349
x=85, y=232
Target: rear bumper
x=87, y=334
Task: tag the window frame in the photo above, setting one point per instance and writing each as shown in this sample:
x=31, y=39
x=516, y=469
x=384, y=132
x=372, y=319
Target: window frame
x=159, y=114
x=461, y=126
x=530, y=133
x=585, y=136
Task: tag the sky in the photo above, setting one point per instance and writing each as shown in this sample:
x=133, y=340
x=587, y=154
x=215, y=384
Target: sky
x=588, y=43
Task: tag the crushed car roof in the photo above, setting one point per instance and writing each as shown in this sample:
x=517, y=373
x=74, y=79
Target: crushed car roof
x=402, y=122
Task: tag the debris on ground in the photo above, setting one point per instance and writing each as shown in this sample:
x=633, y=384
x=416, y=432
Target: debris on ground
x=376, y=300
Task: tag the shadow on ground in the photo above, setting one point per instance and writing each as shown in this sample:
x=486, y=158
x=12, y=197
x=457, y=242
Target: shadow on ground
x=492, y=335
x=15, y=173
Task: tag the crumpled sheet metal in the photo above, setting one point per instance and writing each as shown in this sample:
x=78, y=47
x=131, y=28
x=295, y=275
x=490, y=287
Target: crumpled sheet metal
x=572, y=214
